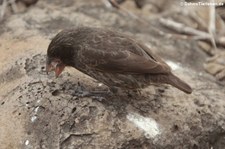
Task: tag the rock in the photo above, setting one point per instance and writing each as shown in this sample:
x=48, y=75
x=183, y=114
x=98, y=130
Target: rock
x=39, y=111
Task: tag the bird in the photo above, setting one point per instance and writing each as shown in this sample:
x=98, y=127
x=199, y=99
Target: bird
x=111, y=57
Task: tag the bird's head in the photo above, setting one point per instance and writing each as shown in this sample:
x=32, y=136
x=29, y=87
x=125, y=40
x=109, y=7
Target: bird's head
x=60, y=53
x=54, y=64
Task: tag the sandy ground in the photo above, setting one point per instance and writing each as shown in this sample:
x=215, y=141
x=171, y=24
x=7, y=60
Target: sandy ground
x=40, y=111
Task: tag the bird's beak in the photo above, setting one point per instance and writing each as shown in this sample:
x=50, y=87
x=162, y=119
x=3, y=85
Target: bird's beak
x=59, y=69
x=54, y=66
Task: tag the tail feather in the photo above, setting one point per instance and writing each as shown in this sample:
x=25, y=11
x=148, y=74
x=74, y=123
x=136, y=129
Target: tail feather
x=178, y=83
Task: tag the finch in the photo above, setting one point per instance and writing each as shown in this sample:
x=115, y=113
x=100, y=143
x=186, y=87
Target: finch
x=115, y=59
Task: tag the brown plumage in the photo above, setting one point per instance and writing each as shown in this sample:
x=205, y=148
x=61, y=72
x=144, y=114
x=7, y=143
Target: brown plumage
x=114, y=59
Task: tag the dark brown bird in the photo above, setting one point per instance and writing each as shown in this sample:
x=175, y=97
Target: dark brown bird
x=112, y=58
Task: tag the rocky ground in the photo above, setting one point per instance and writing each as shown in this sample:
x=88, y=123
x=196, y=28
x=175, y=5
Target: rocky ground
x=40, y=111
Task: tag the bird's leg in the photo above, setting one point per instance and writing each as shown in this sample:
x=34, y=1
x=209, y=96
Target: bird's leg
x=92, y=93
x=82, y=92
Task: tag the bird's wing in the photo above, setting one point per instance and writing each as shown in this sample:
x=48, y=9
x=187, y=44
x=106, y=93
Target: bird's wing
x=123, y=61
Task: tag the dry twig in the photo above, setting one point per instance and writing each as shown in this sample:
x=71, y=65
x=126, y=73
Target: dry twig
x=3, y=7
x=6, y=3
x=116, y=5
x=212, y=24
x=196, y=34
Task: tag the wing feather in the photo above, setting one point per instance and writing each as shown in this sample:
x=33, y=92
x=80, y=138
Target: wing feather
x=121, y=62
x=112, y=52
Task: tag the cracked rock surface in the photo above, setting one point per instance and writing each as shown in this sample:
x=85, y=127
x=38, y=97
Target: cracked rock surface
x=41, y=111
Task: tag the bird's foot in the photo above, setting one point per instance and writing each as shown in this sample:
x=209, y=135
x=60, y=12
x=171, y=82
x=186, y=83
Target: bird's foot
x=124, y=92
x=81, y=91
x=91, y=93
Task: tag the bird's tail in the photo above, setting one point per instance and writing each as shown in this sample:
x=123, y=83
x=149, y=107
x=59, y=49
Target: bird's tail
x=178, y=83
